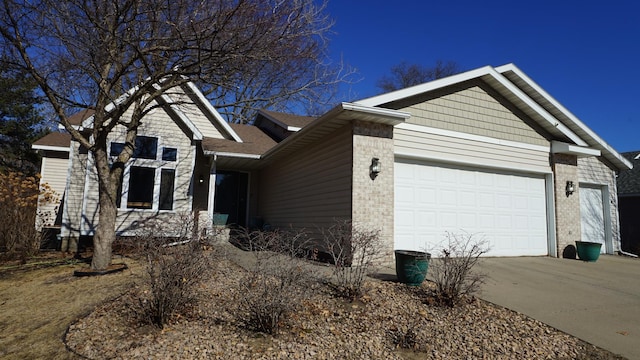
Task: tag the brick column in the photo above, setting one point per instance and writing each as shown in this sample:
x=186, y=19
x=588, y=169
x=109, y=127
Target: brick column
x=565, y=168
x=372, y=197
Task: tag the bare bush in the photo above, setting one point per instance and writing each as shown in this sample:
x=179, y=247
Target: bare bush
x=453, y=271
x=404, y=335
x=277, y=282
x=175, y=262
x=355, y=252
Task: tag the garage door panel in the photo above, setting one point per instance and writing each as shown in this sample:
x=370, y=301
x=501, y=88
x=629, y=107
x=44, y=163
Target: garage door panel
x=427, y=218
x=426, y=195
x=508, y=209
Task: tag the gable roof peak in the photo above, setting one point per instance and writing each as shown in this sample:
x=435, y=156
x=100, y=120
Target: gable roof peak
x=85, y=117
x=509, y=81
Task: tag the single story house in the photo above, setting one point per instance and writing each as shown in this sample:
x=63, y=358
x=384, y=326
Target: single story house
x=487, y=152
x=629, y=202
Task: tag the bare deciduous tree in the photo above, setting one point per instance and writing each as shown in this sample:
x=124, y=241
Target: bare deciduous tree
x=405, y=75
x=119, y=56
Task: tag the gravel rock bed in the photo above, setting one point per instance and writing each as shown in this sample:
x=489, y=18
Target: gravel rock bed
x=325, y=328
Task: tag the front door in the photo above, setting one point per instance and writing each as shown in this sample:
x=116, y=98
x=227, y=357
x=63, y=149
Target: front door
x=592, y=219
x=231, y=196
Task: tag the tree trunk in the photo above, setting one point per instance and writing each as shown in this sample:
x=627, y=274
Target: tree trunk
x=105, y=233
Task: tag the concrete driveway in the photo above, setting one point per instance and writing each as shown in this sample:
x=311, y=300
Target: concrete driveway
x=597, y=302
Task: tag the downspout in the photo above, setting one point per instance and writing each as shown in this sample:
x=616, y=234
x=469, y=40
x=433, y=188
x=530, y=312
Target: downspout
x=620, y=252
x=212, y=187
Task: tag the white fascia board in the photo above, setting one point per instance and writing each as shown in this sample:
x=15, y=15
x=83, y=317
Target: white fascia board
x=233, y=155
x=400, y=116
x=422, y=88
x=212, y=111
x=559, y=147
x=567, y=113
x=278, y=122
x=537, y=107
x=471, y=137
x=197, y=135
x=477, y=73
x=51, y=148
x=88, y=122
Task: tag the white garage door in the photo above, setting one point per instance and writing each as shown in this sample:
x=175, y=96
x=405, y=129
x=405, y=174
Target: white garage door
x=508, y=210
x=592, y=215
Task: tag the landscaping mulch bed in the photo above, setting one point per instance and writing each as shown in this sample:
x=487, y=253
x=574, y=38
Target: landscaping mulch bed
x=389, y=317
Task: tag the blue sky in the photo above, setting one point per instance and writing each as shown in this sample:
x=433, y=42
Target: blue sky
x=586, y=54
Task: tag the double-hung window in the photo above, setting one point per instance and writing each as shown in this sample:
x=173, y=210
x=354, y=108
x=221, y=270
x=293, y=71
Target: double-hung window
x=149, y=178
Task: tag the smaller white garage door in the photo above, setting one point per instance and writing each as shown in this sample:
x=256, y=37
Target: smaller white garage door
x=507, y=209
x=592, y=218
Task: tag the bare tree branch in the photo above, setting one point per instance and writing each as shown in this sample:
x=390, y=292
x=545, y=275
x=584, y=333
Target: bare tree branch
x=119, y=56
x=405, y=75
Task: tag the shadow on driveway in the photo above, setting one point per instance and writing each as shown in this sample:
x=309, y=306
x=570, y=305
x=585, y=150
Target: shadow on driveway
x=596, y=302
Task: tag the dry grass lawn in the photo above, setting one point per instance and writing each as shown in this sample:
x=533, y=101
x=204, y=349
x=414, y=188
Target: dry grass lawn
x=33, y=327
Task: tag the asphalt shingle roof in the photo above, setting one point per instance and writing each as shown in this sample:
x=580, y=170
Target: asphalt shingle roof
x=57, y=139
x=255, y=141
x=290, y=119
x=629, y=180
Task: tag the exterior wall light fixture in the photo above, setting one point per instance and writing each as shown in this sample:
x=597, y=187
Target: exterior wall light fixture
x=375, y=167
x=570, y=189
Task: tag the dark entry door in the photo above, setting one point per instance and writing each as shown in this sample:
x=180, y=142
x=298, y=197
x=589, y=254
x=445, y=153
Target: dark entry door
x=231, y=196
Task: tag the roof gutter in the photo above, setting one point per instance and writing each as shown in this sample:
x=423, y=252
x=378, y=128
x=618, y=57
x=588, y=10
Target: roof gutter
x=396, y=117
x=50, y=148
x=232, y=155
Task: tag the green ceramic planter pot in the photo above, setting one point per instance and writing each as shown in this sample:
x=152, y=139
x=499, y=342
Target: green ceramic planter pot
x=412, y=266
x=220, y=219
x=588, y=251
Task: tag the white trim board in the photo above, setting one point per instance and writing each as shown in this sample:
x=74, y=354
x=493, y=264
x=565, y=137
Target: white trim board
x=398, y=155
x=466, y=136
x=51, y=148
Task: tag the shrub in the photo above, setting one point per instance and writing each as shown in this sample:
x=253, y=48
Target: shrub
x=176, y=262
x=354, y=252
x=453, y=271
x=277, y=282
x=404, y=336
x=20, y=196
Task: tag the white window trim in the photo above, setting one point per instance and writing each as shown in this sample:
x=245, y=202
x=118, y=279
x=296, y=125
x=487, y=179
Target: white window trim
x=158, y=164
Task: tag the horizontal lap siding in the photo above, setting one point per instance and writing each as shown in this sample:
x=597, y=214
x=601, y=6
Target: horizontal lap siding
x=475, y=110
x=156, y=124
x=310, y=188
x=75, y=192
x=473, y=152
x=54, y=174
x=187, y=104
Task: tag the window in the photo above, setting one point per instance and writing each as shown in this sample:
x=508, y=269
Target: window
x=141, y=189
x=169, y=154
x=167, y=177
x=141, y=182
x=146, y=147
x=116, y=148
